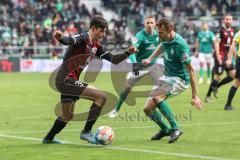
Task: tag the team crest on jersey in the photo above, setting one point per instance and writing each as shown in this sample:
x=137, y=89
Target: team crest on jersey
x=94, y=50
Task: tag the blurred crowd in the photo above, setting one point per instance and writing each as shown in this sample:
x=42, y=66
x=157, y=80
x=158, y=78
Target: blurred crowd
x=32, y=22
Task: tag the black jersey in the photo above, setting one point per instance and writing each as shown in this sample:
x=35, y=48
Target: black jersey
x=81, y=52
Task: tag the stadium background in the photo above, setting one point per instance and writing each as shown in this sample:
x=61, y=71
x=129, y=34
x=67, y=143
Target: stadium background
x=26, y=26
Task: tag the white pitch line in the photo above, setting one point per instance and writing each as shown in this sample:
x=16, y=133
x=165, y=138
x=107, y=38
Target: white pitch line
x=138, y=127
x=128, y=149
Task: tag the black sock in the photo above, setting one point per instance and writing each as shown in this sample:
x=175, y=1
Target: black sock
x=93, y=115
x=224, y=81
x=211, y=88
x=231, y=94
x=56, y=128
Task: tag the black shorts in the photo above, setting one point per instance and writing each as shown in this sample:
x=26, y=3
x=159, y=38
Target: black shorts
x=70, y=89
x=237, y=76
x=219, y=69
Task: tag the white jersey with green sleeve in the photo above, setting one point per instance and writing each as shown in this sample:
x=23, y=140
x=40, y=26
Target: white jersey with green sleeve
x=146, y=44
x=205, y=40
x=176, y=55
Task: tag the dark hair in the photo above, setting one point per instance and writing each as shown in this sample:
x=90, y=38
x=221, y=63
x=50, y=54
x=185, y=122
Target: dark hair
x=167, y=23
x=98, y=21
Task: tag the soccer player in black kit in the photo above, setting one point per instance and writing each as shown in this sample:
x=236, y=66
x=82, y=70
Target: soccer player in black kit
x=223, y=41
x=82, y=49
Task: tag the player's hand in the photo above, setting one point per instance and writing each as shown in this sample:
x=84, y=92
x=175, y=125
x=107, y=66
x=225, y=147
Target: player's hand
x=229, y=63
x=135, y=70
x=58, y=34
x=132, y=49
x=197, y=102
x=146, y=62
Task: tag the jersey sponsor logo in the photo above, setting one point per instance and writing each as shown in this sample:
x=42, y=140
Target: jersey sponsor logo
x=204, y=39
x=151, y=47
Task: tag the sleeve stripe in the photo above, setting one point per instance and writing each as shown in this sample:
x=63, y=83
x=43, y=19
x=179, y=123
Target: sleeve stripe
x=74, y=39
x=103, y=55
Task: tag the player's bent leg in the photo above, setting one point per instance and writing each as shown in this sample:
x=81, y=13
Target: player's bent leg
x=67, y=110
x=213, y=85
x=166, y=111
x=153, y=113
x=91, y=93
x=232, y=73
x=67, y=107
x=231, y=94
x=99, y=98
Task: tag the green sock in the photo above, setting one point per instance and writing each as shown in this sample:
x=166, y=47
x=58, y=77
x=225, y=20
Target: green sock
x=158, y=119
x=208, y=73
x=122, y=97
x=166, y=111
x=201, y=72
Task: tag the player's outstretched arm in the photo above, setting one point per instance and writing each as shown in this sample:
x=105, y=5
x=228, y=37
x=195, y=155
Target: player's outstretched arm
x=64, y=39
x=156, y=53
x=117, y=58
x=195, y=99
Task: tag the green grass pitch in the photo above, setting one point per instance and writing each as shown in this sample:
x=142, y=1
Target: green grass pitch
x=27, y=112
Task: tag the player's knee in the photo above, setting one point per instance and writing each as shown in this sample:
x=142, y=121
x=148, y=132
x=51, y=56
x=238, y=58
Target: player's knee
x=157, y=100
x=102, y=98
x=146, y=110
x=67, y=117
x=127, y=89
x=237, y=83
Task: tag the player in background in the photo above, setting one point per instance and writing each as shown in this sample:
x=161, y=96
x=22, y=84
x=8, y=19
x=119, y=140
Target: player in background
x=146, y=41
x=204, y=51
x=233, y=89
x=82, y=49
x=178, y=73
x=223, y=41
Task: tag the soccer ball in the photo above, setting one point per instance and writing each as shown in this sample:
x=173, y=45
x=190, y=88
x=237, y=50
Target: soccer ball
x=104, y=135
